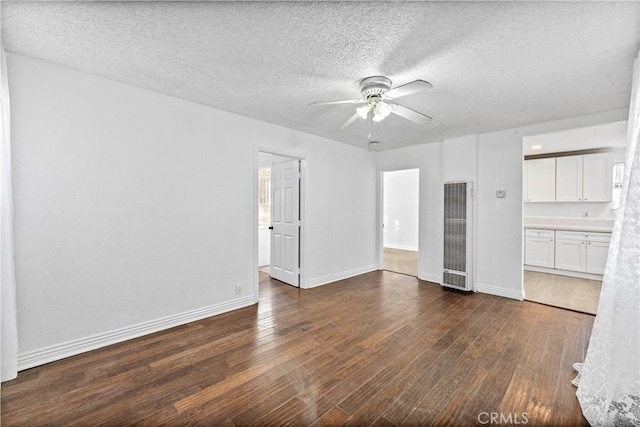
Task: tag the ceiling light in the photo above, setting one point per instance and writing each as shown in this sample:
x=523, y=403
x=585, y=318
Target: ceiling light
x=536, y=147
x=364, y=110
x=381, y=110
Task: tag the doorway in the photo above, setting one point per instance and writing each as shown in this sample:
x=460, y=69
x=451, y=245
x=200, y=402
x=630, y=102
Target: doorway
x=400, y=221
x=279, y=218
x=569, y=181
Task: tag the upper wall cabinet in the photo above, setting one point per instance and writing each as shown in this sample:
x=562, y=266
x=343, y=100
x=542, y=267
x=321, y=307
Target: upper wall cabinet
x=597, y=181
x=569, y=172
x=583, y=178
x=540, y=180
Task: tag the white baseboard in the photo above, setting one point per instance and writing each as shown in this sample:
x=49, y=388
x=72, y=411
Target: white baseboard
x=403, y=247
x=55, y=352
x=330, y=278
x=578, y=274
x=501, y=292
x=427, y=277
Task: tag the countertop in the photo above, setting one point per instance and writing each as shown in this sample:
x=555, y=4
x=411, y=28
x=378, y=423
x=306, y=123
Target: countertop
x=595, y=225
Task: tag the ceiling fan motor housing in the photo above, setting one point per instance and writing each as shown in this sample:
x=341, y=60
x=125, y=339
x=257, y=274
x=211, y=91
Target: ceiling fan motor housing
x=374, y=86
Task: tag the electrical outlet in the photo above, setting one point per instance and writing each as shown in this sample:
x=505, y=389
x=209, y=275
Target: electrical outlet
x=585, y=214
x=238, y=289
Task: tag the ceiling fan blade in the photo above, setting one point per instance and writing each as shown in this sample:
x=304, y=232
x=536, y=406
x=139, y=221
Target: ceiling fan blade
x=408, y=89
x=409, y=114
x=348, y=122
x=346, y=101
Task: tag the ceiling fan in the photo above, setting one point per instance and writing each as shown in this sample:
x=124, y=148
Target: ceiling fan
x=376, y=93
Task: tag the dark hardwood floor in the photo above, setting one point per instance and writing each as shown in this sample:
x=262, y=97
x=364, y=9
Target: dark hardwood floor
x=379, y=349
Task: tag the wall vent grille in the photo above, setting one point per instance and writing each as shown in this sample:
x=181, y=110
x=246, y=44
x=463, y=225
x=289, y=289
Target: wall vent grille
x=457, y=235
x=455, y=280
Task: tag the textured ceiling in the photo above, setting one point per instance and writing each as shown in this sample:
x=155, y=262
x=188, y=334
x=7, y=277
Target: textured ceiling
x=492, y=65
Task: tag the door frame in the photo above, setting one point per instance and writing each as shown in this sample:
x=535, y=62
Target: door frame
x=302, y=246
x=380, y=216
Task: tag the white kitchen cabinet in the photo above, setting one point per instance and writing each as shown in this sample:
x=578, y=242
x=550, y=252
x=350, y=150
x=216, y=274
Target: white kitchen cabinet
x=583, y=178
x=583, y=252
x=597, y=178
x=597, y=253
x=571, y=254
x=540, y=179
x=539, y=248
x=569, y=179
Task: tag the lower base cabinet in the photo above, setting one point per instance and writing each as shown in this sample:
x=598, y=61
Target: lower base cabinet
x=539, y=248
x=567, y=250
x=571, y=254
x=597, y=253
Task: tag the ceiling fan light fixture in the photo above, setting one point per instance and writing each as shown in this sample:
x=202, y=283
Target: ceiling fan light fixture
x=376, y=88
x=363, y=111
x=381, y=111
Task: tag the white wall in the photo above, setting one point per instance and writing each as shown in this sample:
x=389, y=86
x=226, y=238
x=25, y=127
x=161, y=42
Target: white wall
x=494, y=162
x=401, y=196
x=134, y=211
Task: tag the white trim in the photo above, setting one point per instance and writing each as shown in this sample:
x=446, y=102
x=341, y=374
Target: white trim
x=578, y=274
x=55, y=352
x=379, y=220
x=319, y=281
x=428, y=277
x=403, y=247
x=501, y=292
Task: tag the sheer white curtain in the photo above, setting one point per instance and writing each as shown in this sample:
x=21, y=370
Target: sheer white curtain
x=9, y=336
x=609, y=380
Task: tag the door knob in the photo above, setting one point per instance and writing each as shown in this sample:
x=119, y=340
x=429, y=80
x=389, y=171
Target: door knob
x=271, y=227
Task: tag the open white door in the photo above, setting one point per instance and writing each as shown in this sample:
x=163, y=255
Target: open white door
x=285, y=222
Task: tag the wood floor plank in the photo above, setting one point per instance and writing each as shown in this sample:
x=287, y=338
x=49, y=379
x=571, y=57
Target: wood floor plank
x=242, y=377
x=379, y=349
x=334, y=417
x=564, y=400
x=436, y=399
x=483, y=352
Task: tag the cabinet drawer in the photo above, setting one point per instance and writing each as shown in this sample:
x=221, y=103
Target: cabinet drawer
x=583, y=235
x=537, y=232
x=599, y=237
x=572, y=235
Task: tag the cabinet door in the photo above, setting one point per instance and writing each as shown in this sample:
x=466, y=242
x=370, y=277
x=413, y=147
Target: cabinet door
x=569, y=179
x=571, y=255
x=597, y=257
x=525, y=175
x=539, y=251
x=541, y=180
x=597, y=179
